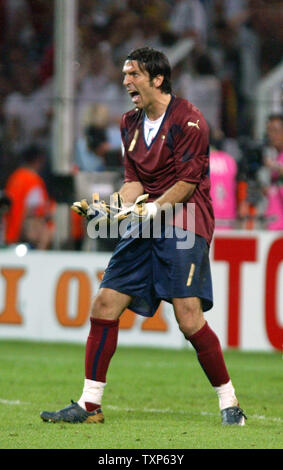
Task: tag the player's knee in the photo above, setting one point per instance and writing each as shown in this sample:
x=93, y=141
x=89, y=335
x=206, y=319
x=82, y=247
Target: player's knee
x=102, y=308
x=190, y=318
x=188, y=327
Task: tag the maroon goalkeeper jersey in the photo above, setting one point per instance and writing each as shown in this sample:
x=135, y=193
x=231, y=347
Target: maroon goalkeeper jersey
x=179, y=152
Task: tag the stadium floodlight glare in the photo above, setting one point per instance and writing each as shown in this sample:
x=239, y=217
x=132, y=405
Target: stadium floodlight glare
x=21, y=250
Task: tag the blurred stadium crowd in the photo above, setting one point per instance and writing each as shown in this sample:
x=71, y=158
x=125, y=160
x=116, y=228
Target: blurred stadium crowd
x=235, y=43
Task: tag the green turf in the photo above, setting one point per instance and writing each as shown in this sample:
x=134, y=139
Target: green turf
x=155, y=399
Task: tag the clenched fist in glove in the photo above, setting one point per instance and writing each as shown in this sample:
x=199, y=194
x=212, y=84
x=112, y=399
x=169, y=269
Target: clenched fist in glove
x=140, y=211
x=99, y=210
x=103, y=213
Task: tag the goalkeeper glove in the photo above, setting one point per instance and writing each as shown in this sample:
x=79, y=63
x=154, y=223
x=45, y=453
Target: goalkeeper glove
x=140, y=211
x=104, y=213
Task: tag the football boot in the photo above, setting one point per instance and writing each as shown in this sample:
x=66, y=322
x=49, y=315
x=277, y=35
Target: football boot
x=73, y=414
x=233, y=415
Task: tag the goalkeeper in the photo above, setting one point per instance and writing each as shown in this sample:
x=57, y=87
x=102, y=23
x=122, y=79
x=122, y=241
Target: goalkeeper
x=166, y=156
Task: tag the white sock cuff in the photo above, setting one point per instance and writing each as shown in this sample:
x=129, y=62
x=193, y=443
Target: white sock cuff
x=90, y=385
x=225, y=387
x=92, y=392
x=226, y=395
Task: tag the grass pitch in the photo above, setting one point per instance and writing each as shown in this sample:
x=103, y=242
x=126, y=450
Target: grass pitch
x=154, y=399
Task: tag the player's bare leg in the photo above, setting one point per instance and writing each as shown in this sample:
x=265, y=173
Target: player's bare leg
x=189, y=315
x=109, y=304
x=101, y=344
x=191, y=321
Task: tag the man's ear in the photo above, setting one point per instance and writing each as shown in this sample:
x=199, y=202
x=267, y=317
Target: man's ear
x=158, y=80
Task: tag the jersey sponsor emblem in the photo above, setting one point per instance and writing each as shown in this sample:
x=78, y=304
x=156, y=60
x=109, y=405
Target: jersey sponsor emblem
x=194, y=124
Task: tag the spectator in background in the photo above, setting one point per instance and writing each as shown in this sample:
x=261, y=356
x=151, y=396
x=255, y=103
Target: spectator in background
x=249, y=191
x=124, y=30
x=266, y=20
x=30, y=218
x=98, y=115
x=274, y=164
x=6, y=159
x=5, y=204
x=203, y=88
x=223, y=177
x=28, y=26
x=235, y=13
x=235, y=50
x=91, y=149
x=188, y=20
x=25, y=110
x=95, y=81
x=16, y=18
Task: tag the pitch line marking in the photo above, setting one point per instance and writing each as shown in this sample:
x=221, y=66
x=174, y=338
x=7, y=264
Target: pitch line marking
x=152, y=410
x=13, y=402
x=202, y=413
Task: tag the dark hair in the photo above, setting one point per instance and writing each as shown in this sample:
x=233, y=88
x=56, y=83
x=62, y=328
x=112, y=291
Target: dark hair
x=155, y=63
x=221, y=25
x=32, y=153
x=275, y=117
x=204, y=65
x=95, y=136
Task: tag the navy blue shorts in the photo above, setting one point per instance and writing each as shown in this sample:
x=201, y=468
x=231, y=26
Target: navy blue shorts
x=154, y=269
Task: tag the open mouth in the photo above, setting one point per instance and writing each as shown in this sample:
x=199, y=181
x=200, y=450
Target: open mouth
x=134, y=96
